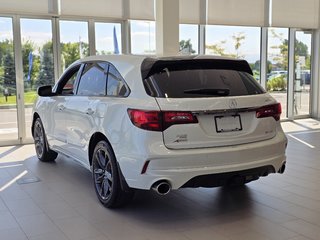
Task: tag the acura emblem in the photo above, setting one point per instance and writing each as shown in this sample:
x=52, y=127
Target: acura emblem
x=233, y=104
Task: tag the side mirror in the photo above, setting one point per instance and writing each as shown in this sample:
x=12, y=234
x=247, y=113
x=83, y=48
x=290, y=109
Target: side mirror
x=45, y=91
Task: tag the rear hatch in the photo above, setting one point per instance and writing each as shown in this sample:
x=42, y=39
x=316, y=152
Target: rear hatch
x=229, y=106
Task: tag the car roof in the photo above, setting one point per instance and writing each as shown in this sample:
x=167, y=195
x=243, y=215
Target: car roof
x=135, y=67
x=131, y=57
x=150, y=64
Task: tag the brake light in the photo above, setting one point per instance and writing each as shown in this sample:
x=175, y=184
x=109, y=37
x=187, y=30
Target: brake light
x=148, y=120
x=273, y=110
x=159, y=120
x=172, y=118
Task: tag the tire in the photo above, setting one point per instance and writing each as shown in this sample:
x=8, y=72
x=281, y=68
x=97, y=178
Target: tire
x=43, y=151
x=106, y=177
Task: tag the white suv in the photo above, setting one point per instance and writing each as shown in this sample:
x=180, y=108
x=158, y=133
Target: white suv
x=160, y=123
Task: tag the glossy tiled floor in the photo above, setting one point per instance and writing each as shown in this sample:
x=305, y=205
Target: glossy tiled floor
x=62, y=205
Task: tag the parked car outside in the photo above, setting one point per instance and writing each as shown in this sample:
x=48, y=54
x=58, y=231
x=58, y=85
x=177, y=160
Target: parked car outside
x=160, y=123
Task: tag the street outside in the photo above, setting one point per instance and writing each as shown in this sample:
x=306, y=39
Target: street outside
x=301, y=103
x=9, y=123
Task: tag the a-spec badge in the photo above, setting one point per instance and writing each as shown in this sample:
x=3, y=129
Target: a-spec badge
x=233, y=104
x=181, y=138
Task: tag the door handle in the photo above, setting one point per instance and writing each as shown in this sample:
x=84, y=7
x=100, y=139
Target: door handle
x=89, y=111
x=61, y=107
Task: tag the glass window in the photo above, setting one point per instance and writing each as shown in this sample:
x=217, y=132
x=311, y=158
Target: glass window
x=191, y=80
x=188, y=39
x=7, y=64
x=69, y=87
x=116, y=86
x=67, y=83
x=74, y=41
x=37, y=59
x=108, y=38
x=37, y=53
x=277, y=70
x=8, y=98
x=93, y=80
x=302, y=81
x=236, y=42
x=143, y=39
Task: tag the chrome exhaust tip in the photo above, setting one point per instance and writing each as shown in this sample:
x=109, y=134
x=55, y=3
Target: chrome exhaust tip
x=161, y=187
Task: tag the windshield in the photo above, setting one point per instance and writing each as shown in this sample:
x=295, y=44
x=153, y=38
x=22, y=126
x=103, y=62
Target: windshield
x=195, y=83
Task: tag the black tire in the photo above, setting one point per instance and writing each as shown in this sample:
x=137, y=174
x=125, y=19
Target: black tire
x=106, y=177
x=44, y=153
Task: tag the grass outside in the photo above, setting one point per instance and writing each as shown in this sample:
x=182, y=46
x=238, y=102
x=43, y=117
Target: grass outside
x=29, y=98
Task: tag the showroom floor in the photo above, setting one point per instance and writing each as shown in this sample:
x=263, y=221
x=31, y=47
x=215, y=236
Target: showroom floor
x=56, y=201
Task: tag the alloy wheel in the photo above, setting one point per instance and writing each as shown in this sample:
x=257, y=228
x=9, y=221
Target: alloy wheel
x=39, y=139
x=103, y=175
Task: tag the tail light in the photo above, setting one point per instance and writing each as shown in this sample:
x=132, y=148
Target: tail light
x=273, y=110
x=148, y=120
x=159, y=120
x=172, y=118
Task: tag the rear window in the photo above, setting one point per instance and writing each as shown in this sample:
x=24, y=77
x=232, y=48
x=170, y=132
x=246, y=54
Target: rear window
x=195, y=83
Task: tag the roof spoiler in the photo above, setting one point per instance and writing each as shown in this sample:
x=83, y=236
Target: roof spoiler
x=151, y=66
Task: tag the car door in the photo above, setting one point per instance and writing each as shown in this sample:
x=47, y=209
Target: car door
x=56, y=130
x=82, y=109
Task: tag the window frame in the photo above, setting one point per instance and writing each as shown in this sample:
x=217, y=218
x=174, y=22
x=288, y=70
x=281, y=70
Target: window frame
x=128, y=90
x=61, y=83
x=81, y=66
x=66, y=77
x=106, y=70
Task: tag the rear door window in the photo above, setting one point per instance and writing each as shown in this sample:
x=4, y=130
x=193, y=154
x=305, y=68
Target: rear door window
x=195, y=83
x=93, y=79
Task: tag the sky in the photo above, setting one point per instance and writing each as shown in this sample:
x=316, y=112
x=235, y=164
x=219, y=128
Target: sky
x=5, y=28
x=250, y=46
x=143, y=35
x=38, y=31
x=188, y=31
x=104, y=36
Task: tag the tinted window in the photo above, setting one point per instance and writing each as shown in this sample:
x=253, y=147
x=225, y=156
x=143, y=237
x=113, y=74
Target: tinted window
x=194, y=83
x=67, y=83
x=116, y=85
x=69, y=86
x=93, y=80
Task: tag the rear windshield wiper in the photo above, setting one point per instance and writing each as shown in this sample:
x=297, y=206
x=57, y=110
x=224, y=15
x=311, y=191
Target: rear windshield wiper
x=208, y=91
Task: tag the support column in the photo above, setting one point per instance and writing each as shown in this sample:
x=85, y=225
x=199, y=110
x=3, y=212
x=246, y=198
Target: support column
x=54, y=7
x=56, y=48
x=126, y=28
x=291, y=74
x=19, y=78
x=315, y=75
x=167, y=27
x=202, y=27
x=92, y=37
x=264, y=57
x=264, y=44
x=126, y=37
x=202, y=39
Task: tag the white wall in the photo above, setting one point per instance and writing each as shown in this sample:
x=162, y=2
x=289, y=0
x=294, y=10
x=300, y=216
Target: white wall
x=24, y=6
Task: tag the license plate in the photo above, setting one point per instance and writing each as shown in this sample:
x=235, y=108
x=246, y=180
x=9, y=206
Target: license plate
x=229, y=123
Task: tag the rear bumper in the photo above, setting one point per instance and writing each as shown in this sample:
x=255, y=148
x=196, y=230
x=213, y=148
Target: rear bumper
x=229, y=178
x=181, y=167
